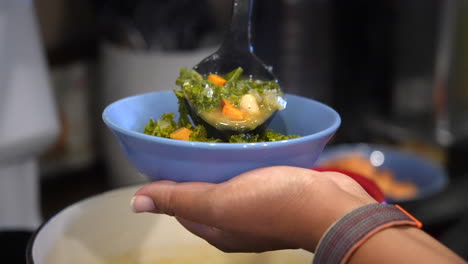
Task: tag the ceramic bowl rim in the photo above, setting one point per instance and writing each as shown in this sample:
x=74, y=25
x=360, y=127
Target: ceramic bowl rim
x=35, y=234
x=207, y=145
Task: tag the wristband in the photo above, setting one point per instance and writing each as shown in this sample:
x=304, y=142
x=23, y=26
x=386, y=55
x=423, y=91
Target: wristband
x=342, y=239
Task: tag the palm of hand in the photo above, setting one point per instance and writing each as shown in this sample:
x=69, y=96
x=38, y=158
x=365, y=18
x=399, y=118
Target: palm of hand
x=265, y=209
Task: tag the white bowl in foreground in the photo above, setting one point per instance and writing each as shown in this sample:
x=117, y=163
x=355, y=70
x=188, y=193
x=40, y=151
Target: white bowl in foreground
x=103, y=230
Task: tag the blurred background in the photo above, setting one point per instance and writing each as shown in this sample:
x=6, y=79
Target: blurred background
x=395, y=71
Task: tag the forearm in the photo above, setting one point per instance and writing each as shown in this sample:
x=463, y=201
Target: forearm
x=403, y=245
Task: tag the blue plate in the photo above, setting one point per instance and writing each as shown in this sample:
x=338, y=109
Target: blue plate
x=429, y=178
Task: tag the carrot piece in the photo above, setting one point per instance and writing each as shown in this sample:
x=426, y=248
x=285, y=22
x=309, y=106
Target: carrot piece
x=216, y=79
x=231, y=111
x=181, y=134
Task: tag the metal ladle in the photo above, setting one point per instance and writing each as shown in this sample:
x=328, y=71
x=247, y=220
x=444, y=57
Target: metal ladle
x=236, y=51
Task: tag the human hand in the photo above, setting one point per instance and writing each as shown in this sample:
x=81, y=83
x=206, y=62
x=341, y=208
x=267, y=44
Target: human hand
x=264, y=209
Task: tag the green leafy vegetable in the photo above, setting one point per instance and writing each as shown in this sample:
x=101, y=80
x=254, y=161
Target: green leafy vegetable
x=163, y=127
x=267, y=136
x=270, y=135
x=234, y=75
x=197, y=90
x=166, y=125
x=200, y=134
x=205, y=95
x=244, y=138
x=184, y=120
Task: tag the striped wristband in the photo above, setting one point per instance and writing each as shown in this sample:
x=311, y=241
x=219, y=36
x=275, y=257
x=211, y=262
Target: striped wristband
x=343, y=238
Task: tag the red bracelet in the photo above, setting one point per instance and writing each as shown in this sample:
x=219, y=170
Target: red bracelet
x=344, y=237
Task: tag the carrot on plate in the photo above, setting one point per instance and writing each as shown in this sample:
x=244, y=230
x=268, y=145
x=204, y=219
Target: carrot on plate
x=216, y=79
x=231, y=111
x=181, y=134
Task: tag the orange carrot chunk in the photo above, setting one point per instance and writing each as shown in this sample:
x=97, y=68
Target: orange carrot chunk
x=231, y=111
x=181, y=134
x=216, y=79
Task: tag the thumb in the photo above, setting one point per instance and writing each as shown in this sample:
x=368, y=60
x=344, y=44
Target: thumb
x=192, y=200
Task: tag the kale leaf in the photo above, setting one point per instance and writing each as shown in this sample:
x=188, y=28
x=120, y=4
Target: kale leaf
x=163, y=127
x=205, y=95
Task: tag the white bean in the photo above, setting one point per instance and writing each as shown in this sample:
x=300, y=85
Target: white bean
x=249, y=103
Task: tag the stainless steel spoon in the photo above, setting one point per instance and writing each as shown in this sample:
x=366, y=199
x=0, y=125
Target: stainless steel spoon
x=235, y=51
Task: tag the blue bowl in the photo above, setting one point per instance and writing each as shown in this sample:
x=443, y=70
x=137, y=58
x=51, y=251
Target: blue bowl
x=167, y=159
x=428, y=177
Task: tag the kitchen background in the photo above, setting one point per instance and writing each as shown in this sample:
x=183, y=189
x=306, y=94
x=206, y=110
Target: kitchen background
x=394, y=70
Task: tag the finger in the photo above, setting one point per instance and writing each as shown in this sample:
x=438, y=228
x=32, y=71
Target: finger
x=190, y=200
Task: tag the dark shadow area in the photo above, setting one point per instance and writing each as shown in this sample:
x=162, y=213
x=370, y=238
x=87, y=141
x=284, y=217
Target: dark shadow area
x=61, y=190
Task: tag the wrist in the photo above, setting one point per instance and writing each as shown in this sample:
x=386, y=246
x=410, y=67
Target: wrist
x=342, y=239
x=319, y=222
x=328, y=197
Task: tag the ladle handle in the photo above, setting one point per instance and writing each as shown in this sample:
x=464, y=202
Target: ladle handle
x=239, y=34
